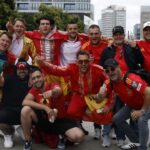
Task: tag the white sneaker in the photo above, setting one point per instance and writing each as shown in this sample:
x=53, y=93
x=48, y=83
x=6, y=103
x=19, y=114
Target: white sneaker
x=1, y=133
x=97, y=133
x=120, y=143
x=112, y=134
x=8, y=141
x=19, y=132
x=130, y=146
x=106, y=141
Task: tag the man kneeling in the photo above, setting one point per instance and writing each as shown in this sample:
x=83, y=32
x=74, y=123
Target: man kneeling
x=39, y=108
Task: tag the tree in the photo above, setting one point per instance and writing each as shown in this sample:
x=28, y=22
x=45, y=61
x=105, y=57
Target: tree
x=7, y=12
x=61, y=18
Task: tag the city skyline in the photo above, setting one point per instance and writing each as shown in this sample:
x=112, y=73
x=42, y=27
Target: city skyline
x=132, y=8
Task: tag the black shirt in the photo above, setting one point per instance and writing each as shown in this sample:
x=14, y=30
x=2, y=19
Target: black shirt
x=14, y=91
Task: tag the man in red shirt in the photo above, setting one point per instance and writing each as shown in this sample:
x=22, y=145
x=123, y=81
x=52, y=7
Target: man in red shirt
x=40, y=107
x=134, y=93
x=85, y=80
x=145, y=45
x=95, y=45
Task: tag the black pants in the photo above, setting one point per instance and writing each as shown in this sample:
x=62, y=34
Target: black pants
x=10, y=115
x=60, y=126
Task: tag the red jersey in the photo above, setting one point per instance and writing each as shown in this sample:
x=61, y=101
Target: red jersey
x=119, y=57
x=51, y=102
x=130, y=91
x=55, y=40
x=145, y=49
x=83, y=84
x=95, y=50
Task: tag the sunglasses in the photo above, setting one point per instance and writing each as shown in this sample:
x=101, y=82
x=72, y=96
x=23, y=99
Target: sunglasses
x=112, y=69
x=86, y=61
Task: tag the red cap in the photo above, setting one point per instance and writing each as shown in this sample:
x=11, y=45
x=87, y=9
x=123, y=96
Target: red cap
x=22, y=65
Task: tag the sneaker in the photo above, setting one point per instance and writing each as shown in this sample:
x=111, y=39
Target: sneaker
x=62, y=142
x=120, y=143
x=97, y=133
x=84, y=131
x=106, y=141
x=112, y=134
x=130, y=146
x=19, y=132
x=8, y=141
x=27, y=145
x=1, y=134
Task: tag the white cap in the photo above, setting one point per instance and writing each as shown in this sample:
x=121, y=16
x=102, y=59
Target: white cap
x=146, y=24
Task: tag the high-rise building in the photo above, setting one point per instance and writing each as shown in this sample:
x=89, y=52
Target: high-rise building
x=145, y=16
x=112, y=16
x=136, y=31
x=79, y=7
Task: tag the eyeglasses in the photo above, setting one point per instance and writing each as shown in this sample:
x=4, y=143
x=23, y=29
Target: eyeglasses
x=86, y=61
x=112, y=69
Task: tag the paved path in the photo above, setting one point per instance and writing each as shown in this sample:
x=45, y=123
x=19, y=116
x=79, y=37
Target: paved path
x=88, y=144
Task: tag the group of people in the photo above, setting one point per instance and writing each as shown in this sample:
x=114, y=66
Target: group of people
x=53, y=80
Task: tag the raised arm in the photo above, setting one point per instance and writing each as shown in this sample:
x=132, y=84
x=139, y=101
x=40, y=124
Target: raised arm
x=52, y=69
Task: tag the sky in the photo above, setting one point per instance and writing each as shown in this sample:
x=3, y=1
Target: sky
x=132, y=10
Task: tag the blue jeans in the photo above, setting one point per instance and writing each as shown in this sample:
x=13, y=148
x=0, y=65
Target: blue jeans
x=119, y=120
x=106, y=129
x=144, y=130
x=119, y=132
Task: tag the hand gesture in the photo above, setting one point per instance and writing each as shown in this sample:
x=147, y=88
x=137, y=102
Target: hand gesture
x=47, y=94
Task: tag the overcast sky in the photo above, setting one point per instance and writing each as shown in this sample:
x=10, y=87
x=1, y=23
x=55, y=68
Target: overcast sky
x=132, y=9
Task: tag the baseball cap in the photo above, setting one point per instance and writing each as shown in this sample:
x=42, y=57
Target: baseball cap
x=22, y=64
x=110, y=63
x=146, y=24
x=118, y=29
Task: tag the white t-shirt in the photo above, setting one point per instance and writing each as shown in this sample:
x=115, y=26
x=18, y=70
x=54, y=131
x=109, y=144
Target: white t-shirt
x=68, y=52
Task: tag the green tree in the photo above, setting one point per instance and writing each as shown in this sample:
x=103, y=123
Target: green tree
x=30, y=21
x=61, y=18
x=7, y=12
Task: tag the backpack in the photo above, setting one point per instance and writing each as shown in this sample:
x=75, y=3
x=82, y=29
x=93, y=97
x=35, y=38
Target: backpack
x=145, y=75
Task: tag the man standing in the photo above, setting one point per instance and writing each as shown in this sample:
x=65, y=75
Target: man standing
x=21, y=46
x=14, y=90
x=71, y=44
x=95, y=45
x=145, y=45
x=41, y=106
x=128, y=57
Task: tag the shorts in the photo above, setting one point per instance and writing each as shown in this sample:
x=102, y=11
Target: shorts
x=10, y=115
x=60, y=125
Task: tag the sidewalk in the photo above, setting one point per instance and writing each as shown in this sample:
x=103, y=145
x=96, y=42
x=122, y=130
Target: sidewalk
x=88, y=144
